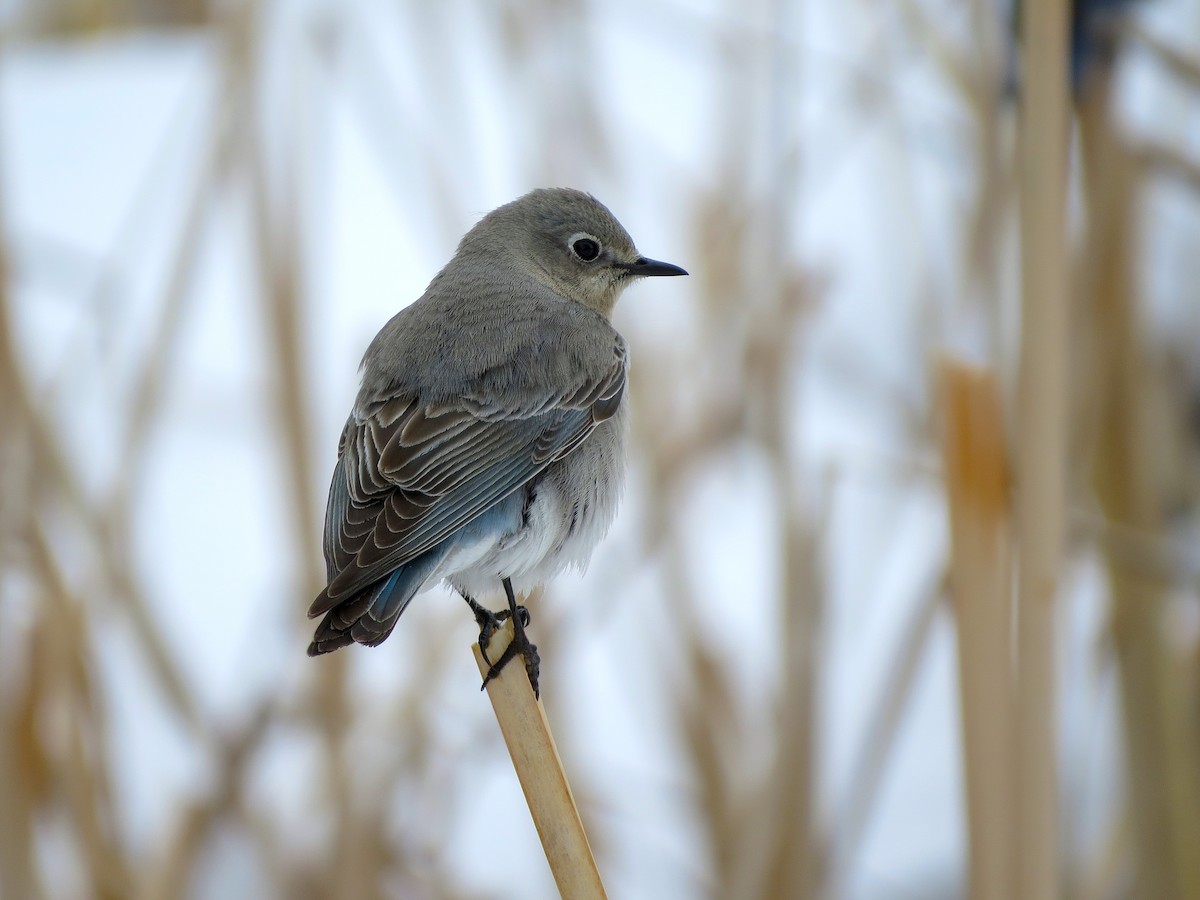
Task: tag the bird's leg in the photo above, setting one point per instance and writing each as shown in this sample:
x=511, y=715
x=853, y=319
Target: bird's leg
x=520, y=644
x=489, y=622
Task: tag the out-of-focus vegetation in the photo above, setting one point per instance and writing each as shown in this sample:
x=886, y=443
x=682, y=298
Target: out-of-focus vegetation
x=378, y=777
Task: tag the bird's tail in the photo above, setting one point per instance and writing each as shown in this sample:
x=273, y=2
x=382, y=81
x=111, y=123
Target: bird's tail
x=369, y=616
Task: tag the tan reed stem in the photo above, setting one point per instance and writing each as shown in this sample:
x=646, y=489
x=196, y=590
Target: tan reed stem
x=1040, y=451
x=981, y=583
x=535, y=758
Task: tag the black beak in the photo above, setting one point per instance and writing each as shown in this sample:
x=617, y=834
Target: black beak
x=646, y=266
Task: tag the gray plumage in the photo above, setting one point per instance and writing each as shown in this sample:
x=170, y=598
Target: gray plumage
x=488, y=437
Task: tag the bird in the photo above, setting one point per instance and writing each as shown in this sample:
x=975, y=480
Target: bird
x=486, y=445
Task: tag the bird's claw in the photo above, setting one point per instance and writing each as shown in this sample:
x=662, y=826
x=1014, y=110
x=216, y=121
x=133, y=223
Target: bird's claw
x=527, y=650
x=489, y=623
x=520, y=645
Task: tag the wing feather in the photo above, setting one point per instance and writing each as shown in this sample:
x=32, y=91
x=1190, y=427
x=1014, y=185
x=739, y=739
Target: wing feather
x=410, y=474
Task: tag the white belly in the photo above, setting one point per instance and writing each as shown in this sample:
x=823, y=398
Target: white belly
x=569, y=510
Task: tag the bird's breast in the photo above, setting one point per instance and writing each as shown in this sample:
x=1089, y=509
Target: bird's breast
x=555, y=521
x=589, y=484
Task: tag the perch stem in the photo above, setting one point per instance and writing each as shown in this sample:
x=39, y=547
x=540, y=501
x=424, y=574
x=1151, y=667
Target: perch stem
x=535, y=758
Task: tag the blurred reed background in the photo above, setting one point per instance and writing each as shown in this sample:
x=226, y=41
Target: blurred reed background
x=790, y=671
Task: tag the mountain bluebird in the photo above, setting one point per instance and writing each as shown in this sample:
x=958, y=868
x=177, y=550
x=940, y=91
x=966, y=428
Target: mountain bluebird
x=487, y=442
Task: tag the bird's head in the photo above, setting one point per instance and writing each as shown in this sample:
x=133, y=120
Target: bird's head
x=566, y=239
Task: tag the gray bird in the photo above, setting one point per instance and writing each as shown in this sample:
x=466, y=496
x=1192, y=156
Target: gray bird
x=487, y=442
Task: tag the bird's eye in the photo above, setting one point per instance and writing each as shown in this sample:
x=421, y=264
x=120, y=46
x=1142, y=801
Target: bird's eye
x=585, y=248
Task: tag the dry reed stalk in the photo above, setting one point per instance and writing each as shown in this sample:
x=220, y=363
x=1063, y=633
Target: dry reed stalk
x=977, y=488
x=23, y=767
x=709, y=722
x=887, y=715
x=82, y=746
x=1040, y=452
x=196, y=822
x=149, y=388
x=1160, y=728
x=1170, y=161
x=277, y=246
x=163, y=351
x=535, y=758
x=796, y=866
x=17, y=875
x=277, y=258
x=1178, y=61
x=59, y=481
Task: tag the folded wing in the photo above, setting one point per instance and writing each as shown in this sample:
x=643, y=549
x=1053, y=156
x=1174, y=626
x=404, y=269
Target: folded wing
x=410, y=474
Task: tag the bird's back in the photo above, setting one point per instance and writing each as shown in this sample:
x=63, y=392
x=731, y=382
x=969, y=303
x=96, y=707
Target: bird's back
x=470, y=337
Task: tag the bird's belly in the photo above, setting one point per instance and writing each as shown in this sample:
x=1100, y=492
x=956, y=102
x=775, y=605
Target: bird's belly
x=564, y=514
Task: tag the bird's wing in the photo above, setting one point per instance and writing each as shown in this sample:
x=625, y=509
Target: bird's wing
x=411, y=474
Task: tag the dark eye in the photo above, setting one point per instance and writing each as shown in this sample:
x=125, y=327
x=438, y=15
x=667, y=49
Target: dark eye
x=586, y=249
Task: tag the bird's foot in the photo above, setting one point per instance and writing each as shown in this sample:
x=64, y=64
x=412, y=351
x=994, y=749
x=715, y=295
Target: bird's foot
x=520, y=645
x=489, y=622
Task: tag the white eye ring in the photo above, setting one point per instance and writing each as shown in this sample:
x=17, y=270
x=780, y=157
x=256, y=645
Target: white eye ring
x=583, y=244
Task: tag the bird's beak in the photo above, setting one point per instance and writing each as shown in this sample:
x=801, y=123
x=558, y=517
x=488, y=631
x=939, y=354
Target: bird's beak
x=644, y=267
